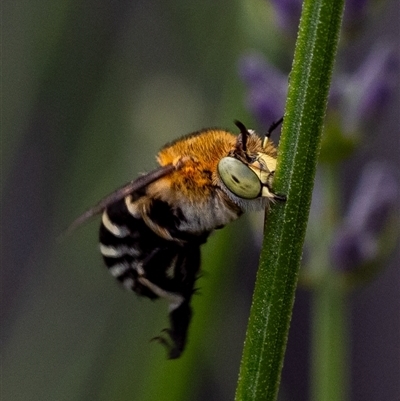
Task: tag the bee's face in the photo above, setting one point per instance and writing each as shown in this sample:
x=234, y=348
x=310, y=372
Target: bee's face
x=153, y=227
x=247, y=177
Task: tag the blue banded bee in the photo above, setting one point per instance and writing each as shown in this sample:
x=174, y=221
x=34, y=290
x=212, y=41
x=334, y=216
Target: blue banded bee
x=152, y=228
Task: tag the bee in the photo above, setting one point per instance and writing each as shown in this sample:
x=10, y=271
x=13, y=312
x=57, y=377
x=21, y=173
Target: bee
x=152, y=228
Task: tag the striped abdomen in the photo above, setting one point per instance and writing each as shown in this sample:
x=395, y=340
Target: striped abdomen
x=151, y=265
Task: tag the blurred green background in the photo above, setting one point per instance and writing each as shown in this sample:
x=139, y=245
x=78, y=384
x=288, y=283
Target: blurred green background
x=90, y=91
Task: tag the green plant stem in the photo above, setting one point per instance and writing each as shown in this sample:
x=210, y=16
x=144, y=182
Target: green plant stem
x=273, y=297
x=329, y=370
x=329, y=345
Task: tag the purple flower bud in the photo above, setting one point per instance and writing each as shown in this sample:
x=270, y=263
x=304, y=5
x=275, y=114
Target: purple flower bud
x=354, y=13
x=251, y=68
x=351, y=249
x=375, y=196
x=375, y=199
x=266, y=86
x=368, y=90
x=288, y=14
x=377, y=76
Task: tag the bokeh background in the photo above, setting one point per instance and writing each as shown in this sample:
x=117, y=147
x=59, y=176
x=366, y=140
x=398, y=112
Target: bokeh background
x=90, y=91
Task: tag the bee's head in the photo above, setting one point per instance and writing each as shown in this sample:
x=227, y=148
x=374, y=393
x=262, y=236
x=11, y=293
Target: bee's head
x=247, y=172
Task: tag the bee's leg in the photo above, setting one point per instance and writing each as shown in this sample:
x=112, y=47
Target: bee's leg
x=179, y=319
x=172, y=297
x=180, y=282
x=165, y=342
x=280, y=197
x=267, y=193
x=179, y=316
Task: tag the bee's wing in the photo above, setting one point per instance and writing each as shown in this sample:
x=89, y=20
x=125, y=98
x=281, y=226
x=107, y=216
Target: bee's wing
x=121, y=193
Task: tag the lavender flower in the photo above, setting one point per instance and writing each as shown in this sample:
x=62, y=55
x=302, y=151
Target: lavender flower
x=374, y=202
x=358, y=97
x=266, y=86
x=354, y=14
x=362, y=95
x=288, y=14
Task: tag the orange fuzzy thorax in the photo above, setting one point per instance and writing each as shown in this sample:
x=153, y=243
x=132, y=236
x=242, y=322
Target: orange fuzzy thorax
x=197, y=179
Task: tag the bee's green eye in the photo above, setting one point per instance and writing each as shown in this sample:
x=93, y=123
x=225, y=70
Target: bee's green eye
x=239, y=178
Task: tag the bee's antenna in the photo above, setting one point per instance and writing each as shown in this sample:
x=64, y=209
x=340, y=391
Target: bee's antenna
x=273, y=127
x=245, y=134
